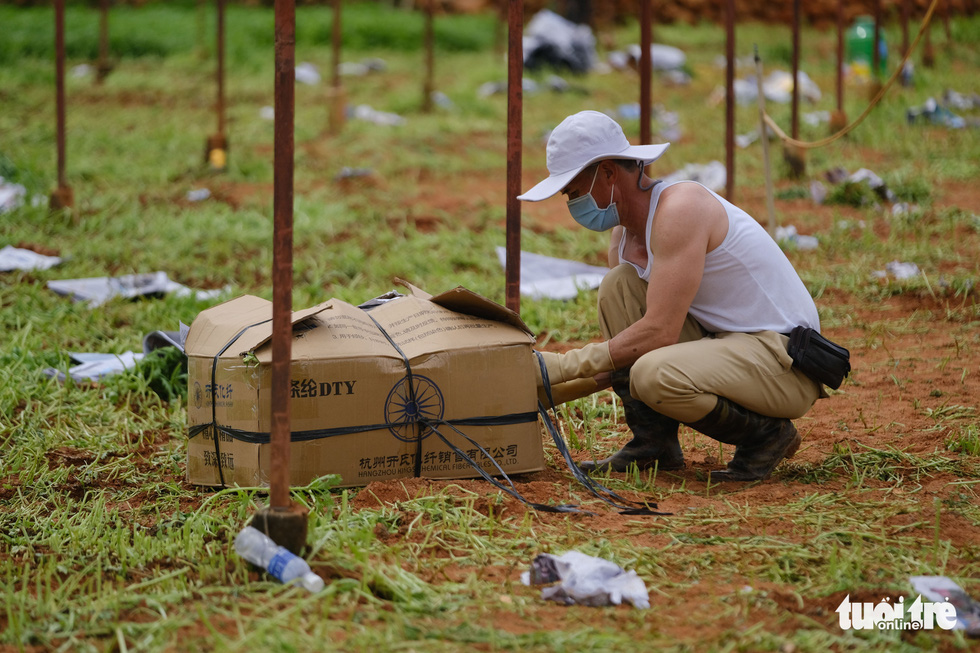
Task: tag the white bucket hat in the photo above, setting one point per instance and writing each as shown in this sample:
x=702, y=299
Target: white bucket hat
x=580, y=140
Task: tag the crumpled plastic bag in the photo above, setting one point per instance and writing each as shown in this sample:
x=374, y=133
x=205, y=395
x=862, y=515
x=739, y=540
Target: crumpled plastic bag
x=585, y=580
x=943, y=588
x=551, y=40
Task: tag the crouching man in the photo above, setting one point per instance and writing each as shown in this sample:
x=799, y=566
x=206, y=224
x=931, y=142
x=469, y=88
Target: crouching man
x=695, y=311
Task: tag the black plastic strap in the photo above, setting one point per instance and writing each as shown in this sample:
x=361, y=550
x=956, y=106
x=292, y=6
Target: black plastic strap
x=509, y=490
x=430, y=424
x=411, y=394
x=596, y=488
x=263, y=437
x=214, y=398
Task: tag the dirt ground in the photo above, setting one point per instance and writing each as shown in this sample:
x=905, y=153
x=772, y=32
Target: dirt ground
x=912, y=355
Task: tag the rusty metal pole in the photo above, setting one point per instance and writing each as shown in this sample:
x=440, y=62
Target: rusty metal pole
x=59, y=36
x=876, y=48
x=62, y=197
x=795, y=56
x=103, y=67
x=515, y=99
x=202, y=48
x=946, y=13
x=928, y=54
x=282, y=263
x=221, y=67
x=427, y=84
x=284, y=521
x=761, y=102
x=838, y=119
x=217, y=145
x=905, y=27
x=730, y=101
x=793, y=155
x=337, y=96
x=646, y=70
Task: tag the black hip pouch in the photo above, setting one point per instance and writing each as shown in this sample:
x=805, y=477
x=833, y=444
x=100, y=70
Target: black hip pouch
x=822, y=360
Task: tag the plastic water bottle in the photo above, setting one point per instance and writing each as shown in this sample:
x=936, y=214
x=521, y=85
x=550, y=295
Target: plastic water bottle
x=259, y=549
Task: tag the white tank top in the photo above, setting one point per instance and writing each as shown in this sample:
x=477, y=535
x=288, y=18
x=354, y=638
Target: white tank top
x=748, y=285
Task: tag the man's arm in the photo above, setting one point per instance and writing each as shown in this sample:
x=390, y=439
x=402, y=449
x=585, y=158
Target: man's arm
x=689, y=223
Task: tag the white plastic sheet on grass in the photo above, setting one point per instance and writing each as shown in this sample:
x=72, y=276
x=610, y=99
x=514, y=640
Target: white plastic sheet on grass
x=11, y=195
x=98, y=290
x=92, y=367
x=554, y=278
x=15, y=258
x=585, y=580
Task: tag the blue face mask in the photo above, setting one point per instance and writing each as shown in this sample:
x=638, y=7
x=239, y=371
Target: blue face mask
x=587, y=213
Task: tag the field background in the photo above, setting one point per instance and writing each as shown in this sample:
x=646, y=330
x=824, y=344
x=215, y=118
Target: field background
x=104, y=546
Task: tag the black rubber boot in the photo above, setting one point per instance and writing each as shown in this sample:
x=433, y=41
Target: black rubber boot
x=760, y=442
x=654, y=443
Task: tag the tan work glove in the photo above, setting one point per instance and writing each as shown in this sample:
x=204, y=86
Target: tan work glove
x=567, y=391
x=571, y=374
x=578, y=363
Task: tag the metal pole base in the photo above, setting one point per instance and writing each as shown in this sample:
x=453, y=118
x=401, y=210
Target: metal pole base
x=62, y=198
x=838, y=121
x=795, y=158
x=285, y=526
x=102, y=69
x=216, y=153
x=874, y=88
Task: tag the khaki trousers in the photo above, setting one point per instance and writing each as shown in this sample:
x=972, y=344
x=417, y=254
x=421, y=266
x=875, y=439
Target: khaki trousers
x=683, y=381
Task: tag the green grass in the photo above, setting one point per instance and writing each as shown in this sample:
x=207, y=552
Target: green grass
x=103, y=546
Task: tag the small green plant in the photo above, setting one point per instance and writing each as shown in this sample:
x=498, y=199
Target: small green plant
x=850, y=193
x=913, y=189
x=163, y=372
x=966, y=441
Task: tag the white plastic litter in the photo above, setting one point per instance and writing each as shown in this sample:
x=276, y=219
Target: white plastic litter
x=904, y=208
x=899, y=270
x=818, y=192
x=789, y=235
x=352, y=69
x=662, y=57
x=585, y=580
x=776, y=87
x=368, y=114
x=443, y=101
x=940, y=589
x=816, y=118
x=528, y=86
x=550, y=39
x=198, y=194
x=98, y=290
x=307, y=73
x=15, y=258
x=11, y=195
x=712, y=175
x=554, y=278
x=92, y=367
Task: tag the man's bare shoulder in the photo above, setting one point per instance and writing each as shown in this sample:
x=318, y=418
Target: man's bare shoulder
x=689, y=212
x=683, y=192
x=687, y=201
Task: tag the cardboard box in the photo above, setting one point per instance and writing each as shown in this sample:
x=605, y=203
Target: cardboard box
x=351, y=410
